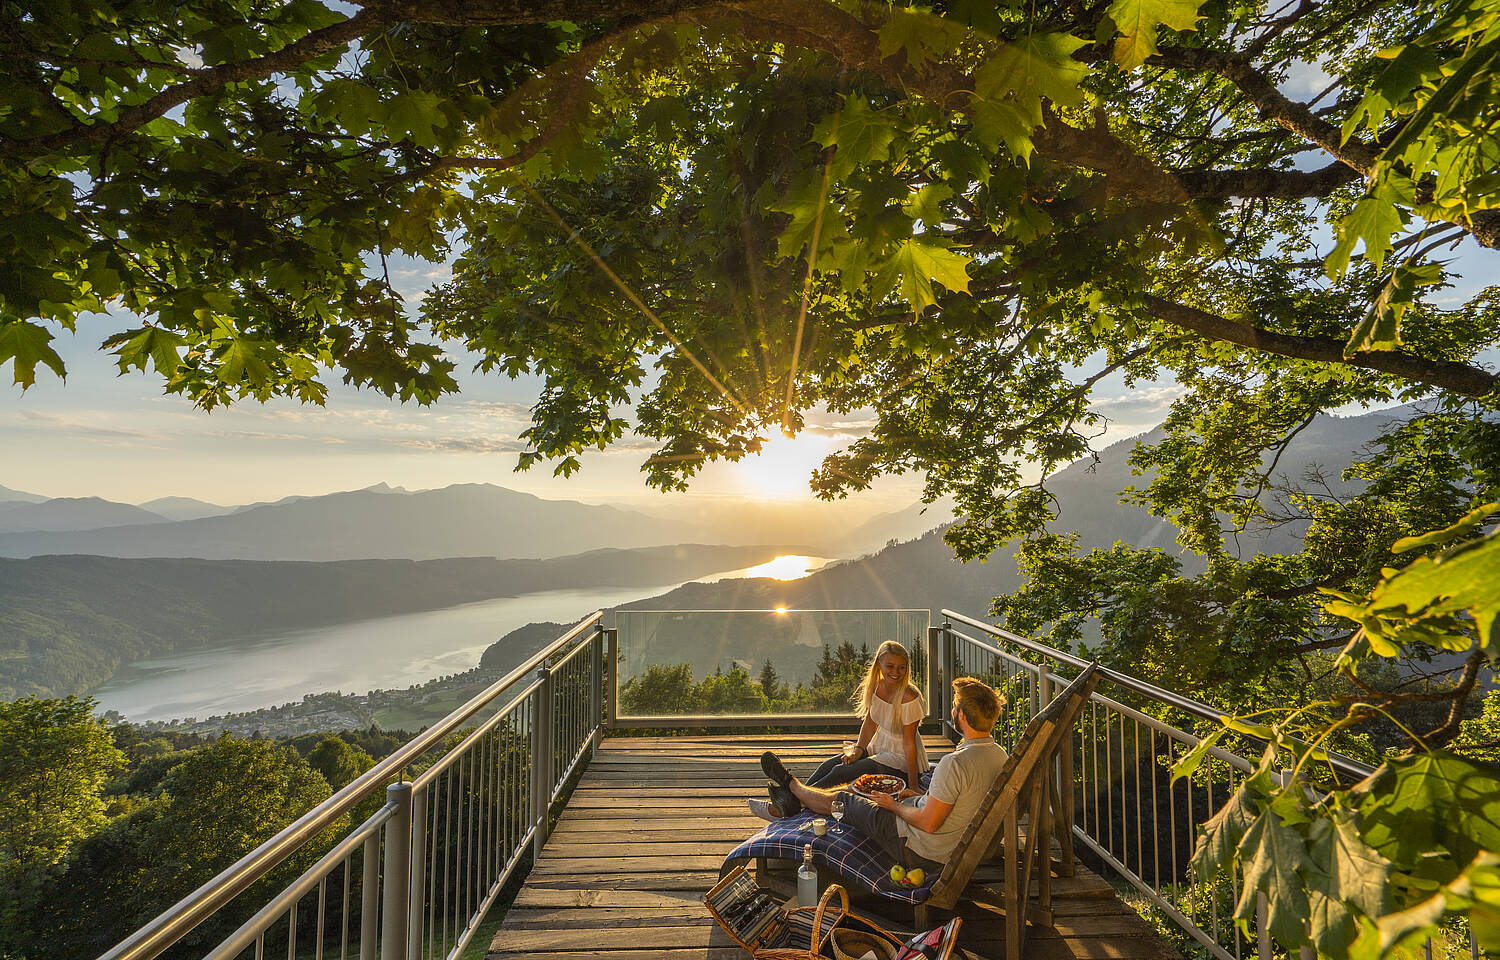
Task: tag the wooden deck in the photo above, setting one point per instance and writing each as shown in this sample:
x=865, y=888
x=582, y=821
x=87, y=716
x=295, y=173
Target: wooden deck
x=623, y=874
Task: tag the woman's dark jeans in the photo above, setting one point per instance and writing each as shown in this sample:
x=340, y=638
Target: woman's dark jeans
x=833, y=771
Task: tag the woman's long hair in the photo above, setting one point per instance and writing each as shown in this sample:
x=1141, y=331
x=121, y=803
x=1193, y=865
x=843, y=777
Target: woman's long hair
x=864, y=695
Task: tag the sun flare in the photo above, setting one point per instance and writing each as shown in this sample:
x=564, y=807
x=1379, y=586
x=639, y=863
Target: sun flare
x=782, y=468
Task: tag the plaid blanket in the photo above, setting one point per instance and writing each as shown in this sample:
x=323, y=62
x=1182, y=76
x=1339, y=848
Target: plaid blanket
x=849, y=853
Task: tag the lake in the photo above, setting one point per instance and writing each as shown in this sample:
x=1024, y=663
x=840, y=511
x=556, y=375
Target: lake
x=389, y=652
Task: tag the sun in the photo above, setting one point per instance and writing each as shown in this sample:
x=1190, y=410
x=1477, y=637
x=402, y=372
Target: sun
x=782, y=468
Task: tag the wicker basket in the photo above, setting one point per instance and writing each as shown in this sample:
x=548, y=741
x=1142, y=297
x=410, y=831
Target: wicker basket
x=852, y=944
x=820, y=920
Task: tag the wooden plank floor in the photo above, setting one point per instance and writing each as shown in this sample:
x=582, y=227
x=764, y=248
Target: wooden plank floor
x=623, y=874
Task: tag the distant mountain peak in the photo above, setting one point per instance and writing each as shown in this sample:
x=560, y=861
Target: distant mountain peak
x=383, y=487
x=21, y=496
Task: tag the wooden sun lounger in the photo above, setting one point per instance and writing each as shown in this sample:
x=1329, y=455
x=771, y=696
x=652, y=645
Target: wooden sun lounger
x=1026, y=785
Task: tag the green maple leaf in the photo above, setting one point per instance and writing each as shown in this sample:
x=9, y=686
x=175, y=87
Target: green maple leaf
x=416, y=115
x=857, y=134
x=243, y=361
x=1475, y=893
x=1137, y=21
x=1345, y=873
x=1417, y=805
x=919, y=34
x=1226, y=828
x=157, y=344
x=1273, y=854
x=925, y=204
x=1034, y=67
x=913, y=268
x=1467, y=524
x=1465, y=577
x=1381, y=327
x=27, y=345
x=1374, y=219
x=805, y=202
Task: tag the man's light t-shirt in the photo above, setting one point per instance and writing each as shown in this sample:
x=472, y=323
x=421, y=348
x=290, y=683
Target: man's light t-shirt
x=962, y=778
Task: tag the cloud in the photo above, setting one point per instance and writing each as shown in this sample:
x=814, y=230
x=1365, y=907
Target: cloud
x=462, y=444
x=92, y=428
x=1141, y=405
x=1305, y=80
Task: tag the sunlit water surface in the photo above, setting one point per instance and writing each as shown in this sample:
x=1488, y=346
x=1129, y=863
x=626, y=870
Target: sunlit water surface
x=385, y=653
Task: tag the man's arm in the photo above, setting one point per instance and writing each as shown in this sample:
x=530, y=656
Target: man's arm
x=926, y=818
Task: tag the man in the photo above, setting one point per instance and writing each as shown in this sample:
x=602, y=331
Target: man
x=916, y=829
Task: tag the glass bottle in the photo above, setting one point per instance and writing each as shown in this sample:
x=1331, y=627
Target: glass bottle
x=807, y=879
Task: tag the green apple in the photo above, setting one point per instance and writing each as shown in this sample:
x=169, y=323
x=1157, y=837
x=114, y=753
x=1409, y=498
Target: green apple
x=898, y=874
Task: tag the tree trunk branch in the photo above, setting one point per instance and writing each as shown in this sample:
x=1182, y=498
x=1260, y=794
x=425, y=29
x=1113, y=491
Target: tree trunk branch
x=1447, y=375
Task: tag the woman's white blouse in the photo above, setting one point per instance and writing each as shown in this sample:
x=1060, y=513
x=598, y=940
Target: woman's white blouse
x=888, y=747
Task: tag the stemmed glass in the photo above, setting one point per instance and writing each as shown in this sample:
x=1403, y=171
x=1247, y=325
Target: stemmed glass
x=838, y=813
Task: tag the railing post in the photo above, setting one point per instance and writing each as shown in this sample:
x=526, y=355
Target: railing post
x=541, y=761
x=612, y=677
x=418, y=898
x=935, y=673
x=369, y=899
x=948, y=676
x=596, y=684
x=397, y=892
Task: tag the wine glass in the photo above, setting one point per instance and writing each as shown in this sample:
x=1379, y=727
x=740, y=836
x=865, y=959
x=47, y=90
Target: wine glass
x=838, y=814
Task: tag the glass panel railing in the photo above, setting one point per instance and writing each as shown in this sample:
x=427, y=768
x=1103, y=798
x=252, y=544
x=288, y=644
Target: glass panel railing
x=780, y=662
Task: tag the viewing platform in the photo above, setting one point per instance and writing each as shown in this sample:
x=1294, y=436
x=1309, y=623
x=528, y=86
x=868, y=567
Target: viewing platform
x=643, y=834
x=603, y=780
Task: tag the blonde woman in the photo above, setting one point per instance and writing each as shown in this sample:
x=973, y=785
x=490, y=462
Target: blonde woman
x=891, y=708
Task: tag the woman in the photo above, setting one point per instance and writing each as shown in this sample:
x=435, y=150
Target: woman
x=891, y=709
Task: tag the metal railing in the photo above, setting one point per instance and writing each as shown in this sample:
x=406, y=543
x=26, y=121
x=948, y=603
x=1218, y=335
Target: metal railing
x=1125, y=806
x=472, y=801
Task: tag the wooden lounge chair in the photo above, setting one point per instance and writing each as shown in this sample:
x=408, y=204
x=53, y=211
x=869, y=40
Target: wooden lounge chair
x=1027, y=785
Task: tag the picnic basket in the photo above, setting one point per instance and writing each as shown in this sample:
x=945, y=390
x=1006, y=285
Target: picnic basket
x=798, y=933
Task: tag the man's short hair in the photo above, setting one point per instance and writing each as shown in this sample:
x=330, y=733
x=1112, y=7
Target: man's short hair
x=979, y=702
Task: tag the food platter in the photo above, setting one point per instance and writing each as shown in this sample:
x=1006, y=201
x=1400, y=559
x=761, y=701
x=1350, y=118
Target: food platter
x=873, y=783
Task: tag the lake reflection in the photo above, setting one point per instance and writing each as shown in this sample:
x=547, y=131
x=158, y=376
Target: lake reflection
x=385, y=653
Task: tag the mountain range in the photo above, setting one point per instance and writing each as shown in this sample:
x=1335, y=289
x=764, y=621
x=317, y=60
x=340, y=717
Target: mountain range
x=464, y=520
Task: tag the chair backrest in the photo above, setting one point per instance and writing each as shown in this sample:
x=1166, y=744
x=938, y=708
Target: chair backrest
x=1034, y=750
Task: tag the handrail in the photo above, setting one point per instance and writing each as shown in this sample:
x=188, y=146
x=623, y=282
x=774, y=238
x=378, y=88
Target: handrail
x=1198, y=709
x=175, y=922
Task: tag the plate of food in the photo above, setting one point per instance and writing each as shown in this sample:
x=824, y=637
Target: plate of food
x=873, y=783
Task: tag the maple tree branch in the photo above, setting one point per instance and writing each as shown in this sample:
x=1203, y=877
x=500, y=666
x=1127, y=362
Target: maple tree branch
x=372, y=18
x=1447, y=375
x=1273, y=105
x=1460, y=694
x=1280, y=184
x=206, y=81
